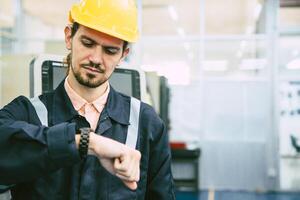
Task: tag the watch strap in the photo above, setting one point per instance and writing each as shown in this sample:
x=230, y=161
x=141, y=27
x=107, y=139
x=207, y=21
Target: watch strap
x=84, y=141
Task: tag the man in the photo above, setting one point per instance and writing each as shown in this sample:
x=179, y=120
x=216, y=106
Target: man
x=79, y=152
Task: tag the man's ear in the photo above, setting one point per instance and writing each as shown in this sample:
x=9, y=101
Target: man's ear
x=125, y=53
x=68, y=38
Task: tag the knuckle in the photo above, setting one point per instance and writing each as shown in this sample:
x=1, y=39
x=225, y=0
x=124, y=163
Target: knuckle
x=133, y=179
x=137, y=178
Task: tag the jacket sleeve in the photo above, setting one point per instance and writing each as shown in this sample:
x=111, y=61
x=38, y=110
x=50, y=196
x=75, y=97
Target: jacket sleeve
x=160, y=180
x=29, y=150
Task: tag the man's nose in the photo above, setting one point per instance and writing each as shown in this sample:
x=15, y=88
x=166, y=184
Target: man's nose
x=96, y=55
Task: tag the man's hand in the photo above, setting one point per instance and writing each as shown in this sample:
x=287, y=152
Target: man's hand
x=117, y=158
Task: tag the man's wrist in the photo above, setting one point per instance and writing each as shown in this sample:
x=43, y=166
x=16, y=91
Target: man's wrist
x=91, y=149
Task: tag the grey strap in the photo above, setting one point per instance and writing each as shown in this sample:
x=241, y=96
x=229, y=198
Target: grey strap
x=133, y=128
x=40, y=109
x=5, y=196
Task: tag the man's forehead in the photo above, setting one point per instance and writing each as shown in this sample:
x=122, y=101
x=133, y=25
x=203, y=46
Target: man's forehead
x=98, y=36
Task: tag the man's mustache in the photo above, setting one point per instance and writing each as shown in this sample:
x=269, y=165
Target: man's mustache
x=93, y=65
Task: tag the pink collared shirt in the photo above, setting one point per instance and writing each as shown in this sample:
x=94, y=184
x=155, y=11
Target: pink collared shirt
x=91, y=111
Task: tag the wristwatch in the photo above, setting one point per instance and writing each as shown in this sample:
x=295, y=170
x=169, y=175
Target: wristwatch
x=84, y=141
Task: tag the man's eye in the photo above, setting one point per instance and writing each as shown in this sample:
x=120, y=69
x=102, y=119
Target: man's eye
x=87, y=43
x=111, y=51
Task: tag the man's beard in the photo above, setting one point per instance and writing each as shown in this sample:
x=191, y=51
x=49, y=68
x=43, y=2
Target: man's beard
x=90, y=81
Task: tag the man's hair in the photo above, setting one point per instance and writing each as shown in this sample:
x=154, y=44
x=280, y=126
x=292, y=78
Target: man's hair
x=74, y=28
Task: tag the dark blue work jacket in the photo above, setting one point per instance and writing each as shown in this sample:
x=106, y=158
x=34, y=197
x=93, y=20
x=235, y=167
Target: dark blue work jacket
x=43, y=162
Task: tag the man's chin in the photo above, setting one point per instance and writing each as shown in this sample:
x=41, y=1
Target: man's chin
x=89, y=80
x=91, y=84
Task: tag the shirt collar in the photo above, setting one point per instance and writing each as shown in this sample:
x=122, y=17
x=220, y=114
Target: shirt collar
x=117, y=106
x=101, y=101
x=78, y=102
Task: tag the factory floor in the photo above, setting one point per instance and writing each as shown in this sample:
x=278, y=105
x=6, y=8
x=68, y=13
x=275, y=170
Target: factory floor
x=225, y=195
x=231, y=195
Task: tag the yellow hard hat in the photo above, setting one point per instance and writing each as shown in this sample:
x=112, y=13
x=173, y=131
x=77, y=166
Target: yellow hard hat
x=117, y=18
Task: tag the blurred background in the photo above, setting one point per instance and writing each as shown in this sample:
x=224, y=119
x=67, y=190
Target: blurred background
x=223, y=74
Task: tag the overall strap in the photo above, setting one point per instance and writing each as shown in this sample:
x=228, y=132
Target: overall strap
x=40, y=109
x=133, y=128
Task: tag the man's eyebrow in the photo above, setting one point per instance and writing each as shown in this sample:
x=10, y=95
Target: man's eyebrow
x=104, y=45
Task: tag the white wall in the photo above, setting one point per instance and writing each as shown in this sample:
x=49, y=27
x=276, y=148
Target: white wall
x=229, y=120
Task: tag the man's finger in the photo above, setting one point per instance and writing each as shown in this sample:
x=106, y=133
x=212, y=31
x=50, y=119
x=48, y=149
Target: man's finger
x=130, y=184
x=122, y=165
x=125, y=177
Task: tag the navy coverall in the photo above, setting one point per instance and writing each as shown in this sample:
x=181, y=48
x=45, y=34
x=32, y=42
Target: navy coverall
x=43, y=162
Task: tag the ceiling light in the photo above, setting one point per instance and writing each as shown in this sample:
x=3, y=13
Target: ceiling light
x=257, y=11
x=173, y=13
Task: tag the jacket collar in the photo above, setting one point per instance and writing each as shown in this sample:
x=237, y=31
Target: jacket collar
x=117, y=107
x=63, y=109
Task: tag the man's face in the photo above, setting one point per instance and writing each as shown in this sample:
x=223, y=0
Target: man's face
x=94, y=55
